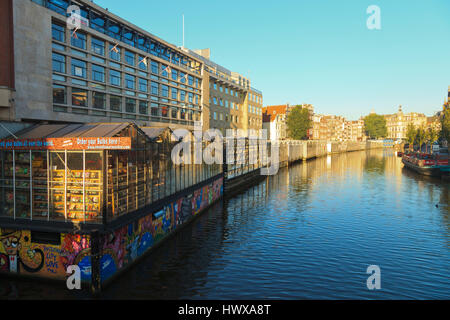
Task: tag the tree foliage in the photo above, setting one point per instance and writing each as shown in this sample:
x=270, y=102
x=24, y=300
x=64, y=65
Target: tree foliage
x=411, y=134
x=375, y=126
x=421, y=136
x=445, y=122
x=298, y=123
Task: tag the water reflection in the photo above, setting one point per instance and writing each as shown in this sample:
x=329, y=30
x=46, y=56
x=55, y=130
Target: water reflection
x=309, y=232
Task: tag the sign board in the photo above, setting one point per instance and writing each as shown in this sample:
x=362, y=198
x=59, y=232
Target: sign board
x=108, y=143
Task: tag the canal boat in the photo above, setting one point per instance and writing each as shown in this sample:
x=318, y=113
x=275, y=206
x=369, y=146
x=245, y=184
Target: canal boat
x=426, y=164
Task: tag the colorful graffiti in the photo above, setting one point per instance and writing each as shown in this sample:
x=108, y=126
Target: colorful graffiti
x=128, y=243
x=19, y=253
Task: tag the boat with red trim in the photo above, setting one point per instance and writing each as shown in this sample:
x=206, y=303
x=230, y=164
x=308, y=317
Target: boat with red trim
x=426, y=164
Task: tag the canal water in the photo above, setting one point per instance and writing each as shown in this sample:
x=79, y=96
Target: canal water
x=308, y=233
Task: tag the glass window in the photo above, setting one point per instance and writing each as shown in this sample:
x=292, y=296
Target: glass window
x=59, y=63
x=98, y=100
x=130, y=105
x=182, y=77
x=115, y=103
x=174, y=75
x=98, y=46
x=142, y=62
x=174, y=113
x=215, y=100
x=114, y=30
x=182, y=95
x=128, y=37
x=98, y=22
x=129, y=57
x=215, y=86
x=191, y=80
x=58, y=32
x=174, y=94
x=143, y=107
x=115, y=78
x=59, y=94
x=130, y=81
x=165, y=91
x=191, y=97
x=78, y=40
x=98, y=73
x=78, y=68
x=155, y=67
x=155, y=88
x=114, y=52
x=59, y=6
x=165, y=111
x=79, y=97
x=143, y=85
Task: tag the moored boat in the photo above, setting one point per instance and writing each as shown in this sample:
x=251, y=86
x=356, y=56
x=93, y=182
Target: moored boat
x=427, y=164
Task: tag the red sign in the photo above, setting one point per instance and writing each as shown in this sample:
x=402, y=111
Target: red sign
x=108, y=143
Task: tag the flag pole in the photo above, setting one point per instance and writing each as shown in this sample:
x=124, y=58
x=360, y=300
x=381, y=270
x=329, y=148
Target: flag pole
x=183, y=30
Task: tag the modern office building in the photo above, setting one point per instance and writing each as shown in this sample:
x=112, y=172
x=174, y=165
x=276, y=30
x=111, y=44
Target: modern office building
x=107, y=70
x=228, y=97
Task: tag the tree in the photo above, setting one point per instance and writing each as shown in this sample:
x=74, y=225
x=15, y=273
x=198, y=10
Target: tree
x=445, y=122
x=375, y=126
x=432, y=136
x=411, y=134
x=421, y=136
x=298, y=123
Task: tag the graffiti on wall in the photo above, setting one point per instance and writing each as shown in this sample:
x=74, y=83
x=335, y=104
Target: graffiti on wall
x=128, y=243
x=20, y=254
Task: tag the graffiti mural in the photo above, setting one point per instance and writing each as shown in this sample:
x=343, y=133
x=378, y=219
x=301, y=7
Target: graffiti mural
x=128, y=243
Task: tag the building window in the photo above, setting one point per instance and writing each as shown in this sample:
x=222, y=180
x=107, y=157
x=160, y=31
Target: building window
x=129, y=58
x=98, y=46
x=155, y=111
x=155, y=67
x=98, y=100
x=182, y=95
x=215, y=86
x=78, y=40
x=165, y=91
x=191, y=97
x=191, y=80
x=98, y=23
x=114, y=30
x=59, y=94
x=114, y=52
x=165, y=111
x=143, y=107
x=174, y=94
x=130, y=81
x=130, y=105
x=78, y=68
x=79, y=97
x=59, y=6
x=143, y=85
x=143, y=62
x=58, y=33
x=174, y=113
x=98, y=73
x=115, y=103
x=215, y=100
x=182, y=77
x=115, y=78
x=215, y=115
x=155, y=88
x=174, y=75
x=196, y=99
x=59, y=63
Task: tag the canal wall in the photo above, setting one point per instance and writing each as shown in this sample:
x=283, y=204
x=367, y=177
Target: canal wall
x=292, y=151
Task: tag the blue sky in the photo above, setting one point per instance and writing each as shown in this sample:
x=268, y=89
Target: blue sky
x=318, y=52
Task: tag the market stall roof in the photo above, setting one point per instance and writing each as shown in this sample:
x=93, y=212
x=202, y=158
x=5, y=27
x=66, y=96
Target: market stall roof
x=71, y=130
x=90, y=136
x=155, y=132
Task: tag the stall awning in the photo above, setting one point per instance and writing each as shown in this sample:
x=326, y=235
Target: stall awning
x=91, y=136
